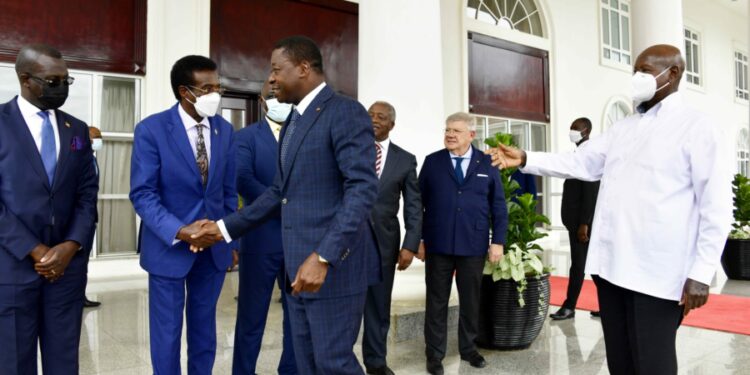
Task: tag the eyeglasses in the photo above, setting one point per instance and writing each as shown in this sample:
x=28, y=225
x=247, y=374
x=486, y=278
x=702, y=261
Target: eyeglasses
x=67, y=81
x=217, y=89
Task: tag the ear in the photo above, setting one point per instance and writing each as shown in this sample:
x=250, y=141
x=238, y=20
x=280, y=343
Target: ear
x=184, y=93
x=304, y=69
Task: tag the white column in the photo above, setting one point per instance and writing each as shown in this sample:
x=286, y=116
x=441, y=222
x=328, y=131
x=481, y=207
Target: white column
x=656, y=22
x=176, y=28
x=400, y=61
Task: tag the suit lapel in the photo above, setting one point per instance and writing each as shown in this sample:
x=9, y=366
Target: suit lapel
x=216, y=154
x=66, y=137
x=25, y=140
x=476, y=158
x=449, y=164
x=181, y=141
x=391, y=161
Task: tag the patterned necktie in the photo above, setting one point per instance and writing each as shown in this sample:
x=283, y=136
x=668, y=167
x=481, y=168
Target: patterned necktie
x=459, y=171
x=288, y=138
x=49, y=150
x=201, y=155
x=378, y=158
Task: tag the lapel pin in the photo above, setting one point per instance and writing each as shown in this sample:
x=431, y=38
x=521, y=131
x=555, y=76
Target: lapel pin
x=67, y=124
x=216, y=131
x=317, y=109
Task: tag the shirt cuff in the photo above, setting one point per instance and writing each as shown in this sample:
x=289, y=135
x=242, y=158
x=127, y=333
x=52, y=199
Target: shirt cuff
x=175, y=242
x=224, y=231
x=702, y=272
x=322, y=260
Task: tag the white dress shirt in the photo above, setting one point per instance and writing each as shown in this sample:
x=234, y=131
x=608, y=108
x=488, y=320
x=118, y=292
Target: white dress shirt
x=34, y=122
x=275, y=128
x=189, y=123
x=301, y=107
x=384, y=150
x=465, y=162
x=664, y=208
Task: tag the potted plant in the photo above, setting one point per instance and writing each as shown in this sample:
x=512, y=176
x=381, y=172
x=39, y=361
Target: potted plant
x=736, y=257
x=514, y=297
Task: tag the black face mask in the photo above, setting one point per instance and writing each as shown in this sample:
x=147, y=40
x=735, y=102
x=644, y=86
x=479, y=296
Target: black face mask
x=53, y=97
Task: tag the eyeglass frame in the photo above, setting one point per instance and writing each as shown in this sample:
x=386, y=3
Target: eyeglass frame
x=220, y=90
x=67, y=81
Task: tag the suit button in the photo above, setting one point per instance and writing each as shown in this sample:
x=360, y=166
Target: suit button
x=283, y=201
x=459, y=209
x=459, y=192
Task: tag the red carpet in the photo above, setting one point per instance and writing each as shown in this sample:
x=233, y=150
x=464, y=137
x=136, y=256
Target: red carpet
x=721, y=313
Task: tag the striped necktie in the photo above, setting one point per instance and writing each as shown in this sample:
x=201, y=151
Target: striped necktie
x=378, y=158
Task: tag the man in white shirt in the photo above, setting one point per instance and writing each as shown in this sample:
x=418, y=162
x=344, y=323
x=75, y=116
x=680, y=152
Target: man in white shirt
x=663, y=213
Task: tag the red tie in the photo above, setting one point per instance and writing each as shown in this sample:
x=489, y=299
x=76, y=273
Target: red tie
x=378, y=158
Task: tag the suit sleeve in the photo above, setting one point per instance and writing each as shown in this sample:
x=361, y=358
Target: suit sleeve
x=14, y=236
x=144, y=187
x=250, y=216
x=589, y=192
x=499, y=209
x=83, y=220
x=248, y=184
x=412, y=209
x=353, y=139
x=230, y=177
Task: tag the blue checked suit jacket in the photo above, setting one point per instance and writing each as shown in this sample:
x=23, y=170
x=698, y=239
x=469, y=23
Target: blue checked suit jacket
x=325, y=197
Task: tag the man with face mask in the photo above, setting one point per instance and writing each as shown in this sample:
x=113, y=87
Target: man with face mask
x=182, y=170
x=47, y=213
x=261, y=252
x=663, y=213
x=96, y=144
x=577, y=213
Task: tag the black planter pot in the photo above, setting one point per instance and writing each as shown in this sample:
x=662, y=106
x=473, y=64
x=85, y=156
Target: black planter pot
x=503, y=325
x=736, y=259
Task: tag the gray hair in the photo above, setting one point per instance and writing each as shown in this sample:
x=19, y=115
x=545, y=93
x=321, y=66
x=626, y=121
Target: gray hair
x=464, y=117
x=389, y=107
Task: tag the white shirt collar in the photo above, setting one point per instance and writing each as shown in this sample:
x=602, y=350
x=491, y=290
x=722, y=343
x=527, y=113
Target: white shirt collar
x=29, y=110
x=305, y=102
x=188, y=122
x=384, y=144
x=465, y=156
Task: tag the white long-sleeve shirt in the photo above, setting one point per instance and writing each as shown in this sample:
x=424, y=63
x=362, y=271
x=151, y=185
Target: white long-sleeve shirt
x=664, y=208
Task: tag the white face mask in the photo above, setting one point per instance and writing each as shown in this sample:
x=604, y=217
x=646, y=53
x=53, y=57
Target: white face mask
x=278, y=112
x=96, y=144
x=575, y=136
x=643, y=86
x=206, y=105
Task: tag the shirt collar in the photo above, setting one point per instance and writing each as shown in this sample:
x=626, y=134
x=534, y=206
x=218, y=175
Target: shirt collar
x=465, y=156
x=273, y=124
x=189, y=122
x=305, y=102
x=29, y=110
x=384, y=144
x=672, y=101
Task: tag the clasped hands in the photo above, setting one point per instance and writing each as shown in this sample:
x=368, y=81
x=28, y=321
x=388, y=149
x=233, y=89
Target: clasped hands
x=51, y=262
x=201, y=234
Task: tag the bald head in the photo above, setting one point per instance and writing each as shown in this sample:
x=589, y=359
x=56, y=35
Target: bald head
x=662, y=56
x=29, y=56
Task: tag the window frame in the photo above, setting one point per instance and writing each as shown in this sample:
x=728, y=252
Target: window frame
x=741, y=95
x=694, y=43
x=743, y=152
x=609, y=61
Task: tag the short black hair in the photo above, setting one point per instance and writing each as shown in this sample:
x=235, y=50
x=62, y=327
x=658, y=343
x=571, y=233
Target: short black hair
x=585, y=121
x=182, y=71
x=29, y=54
x=299, y=48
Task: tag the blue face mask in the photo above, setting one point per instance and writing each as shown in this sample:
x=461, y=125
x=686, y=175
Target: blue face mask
x=278, y=112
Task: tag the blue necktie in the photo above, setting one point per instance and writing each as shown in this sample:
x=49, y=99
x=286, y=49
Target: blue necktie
x=49, y=150
x=288, y=138
x=459, y=171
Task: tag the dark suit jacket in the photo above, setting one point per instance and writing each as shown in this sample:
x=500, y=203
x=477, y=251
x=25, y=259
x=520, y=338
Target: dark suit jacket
x=399, y=177
x=32, y=211
x=325, y=196
x=167, y=192
x=257, y=156
x=457, y=217
x=578, y=202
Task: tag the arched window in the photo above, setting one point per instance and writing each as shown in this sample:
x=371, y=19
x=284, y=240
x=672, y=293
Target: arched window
x=743, y=153
x=521, y=15
x=616, y=111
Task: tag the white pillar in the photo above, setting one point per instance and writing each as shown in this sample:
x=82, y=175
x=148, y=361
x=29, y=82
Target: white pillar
x=176, y=28
x=656, y=22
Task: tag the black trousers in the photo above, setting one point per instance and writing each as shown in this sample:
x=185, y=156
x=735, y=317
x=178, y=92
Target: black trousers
x=639, y=330
x=578, y=252
x=377, y=318
x=439, y=279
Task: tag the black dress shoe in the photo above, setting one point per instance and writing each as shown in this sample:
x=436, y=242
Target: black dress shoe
x=89, y=303
x=475, y=360
x=563, y=313
x=385, y=370
x=596, y=314
x=435, y=367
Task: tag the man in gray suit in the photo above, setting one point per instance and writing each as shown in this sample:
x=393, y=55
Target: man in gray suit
x=397, y=172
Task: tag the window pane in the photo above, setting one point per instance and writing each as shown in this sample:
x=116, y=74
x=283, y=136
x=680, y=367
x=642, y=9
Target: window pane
x=114, y=166
x=688, y=56
x=606, y=53
x=115, y=232
x=616, y=56
x=118, y=105
x=80, y=97
x=518, y=129
x=615, y=30
x=497, y=126
x=538, y=137
x=9, y=86
x=605, y=26
x=625, y=33
x=615, y=4
x=696, y=61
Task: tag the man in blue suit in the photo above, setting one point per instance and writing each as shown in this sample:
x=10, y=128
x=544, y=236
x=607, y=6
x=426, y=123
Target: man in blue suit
x=261, y=253
x=325, y=187
x=182, y=169
x=48, y=190
x=463, y=198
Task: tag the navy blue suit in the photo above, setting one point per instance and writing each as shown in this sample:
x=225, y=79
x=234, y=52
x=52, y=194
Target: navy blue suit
x=456, y=233
x=325, y=193
x=33, y=212
x=167, y=193
x=261, y=253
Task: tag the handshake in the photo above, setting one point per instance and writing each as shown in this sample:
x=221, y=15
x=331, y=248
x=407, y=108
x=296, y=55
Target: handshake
x=201, y=234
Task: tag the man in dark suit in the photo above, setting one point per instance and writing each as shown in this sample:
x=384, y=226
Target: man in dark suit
x=325, y=187
x=182, y=169
x=261, y=253
x=577, y=212
x=96, y=144
x=462, y=196
x=48, y=190
x=397, y=174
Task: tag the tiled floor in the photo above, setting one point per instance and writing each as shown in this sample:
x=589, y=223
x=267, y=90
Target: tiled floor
x=115, y=336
